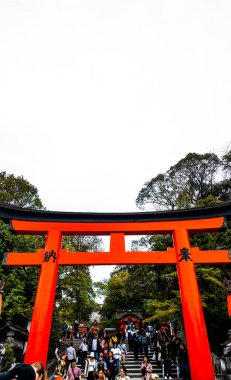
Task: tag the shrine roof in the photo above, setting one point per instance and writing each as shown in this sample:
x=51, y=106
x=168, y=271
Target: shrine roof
x=121, y=313
x=16, y=328
x=10, y=212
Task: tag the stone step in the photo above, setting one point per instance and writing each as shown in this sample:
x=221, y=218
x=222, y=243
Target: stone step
x=133, y=370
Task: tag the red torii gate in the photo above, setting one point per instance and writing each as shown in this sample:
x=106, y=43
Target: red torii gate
x=179, y=223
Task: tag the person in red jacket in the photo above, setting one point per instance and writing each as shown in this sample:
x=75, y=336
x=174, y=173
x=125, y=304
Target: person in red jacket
x=122, y=332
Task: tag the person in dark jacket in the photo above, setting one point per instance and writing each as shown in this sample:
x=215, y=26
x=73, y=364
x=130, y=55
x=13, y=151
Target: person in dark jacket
x=111, y=366
x=94, y=346
x=135, y=345
x=175, y=343
x=130, y=347
x=145, y=343
x=183, y=362
x=167, y=355
x=64, y=328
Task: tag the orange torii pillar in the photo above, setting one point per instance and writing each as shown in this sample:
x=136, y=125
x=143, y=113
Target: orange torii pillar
x=182, y=255
x=229, y=304
x=39, y=336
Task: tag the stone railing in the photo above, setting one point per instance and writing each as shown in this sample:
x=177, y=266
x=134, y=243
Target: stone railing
x=222, y=367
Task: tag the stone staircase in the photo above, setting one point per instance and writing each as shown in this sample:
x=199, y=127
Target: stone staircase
x=76, y=342
x=132, y=366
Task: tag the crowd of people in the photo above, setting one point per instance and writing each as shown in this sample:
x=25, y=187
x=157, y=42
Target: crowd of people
x=99, y=356
x=168, y=350
x=103, y=355
x=70, y=330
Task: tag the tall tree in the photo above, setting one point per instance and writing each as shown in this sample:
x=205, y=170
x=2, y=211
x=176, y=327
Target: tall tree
x=159, y=193
x=196, y=174
x=222, y=189
x=20, y=282
x=226, y=163
x=193, y=178
x=19, y=192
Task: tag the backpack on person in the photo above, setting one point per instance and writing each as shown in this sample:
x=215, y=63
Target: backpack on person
x=139, y=339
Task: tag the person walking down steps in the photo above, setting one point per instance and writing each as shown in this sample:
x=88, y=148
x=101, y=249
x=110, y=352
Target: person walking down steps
x=74, y=372
x=123, y=349
x=146, y=369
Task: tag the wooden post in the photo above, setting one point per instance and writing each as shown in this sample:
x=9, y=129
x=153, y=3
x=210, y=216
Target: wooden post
x=195, y=329
x=38, y=342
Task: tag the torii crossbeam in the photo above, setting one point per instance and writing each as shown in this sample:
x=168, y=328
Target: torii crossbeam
x=180, y=224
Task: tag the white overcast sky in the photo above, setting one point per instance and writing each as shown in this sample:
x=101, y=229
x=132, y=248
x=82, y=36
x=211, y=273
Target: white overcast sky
x=99, y=96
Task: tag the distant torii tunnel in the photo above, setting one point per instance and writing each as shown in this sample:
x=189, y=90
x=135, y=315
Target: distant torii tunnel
x=180, y=224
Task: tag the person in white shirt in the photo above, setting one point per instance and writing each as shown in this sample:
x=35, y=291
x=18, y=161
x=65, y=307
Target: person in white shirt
x=71, y=354
x=94, y=346
x=116, y=355
x=84, y=350
x=90, y=366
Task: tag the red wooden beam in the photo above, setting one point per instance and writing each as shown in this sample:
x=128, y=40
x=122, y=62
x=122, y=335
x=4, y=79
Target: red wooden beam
x=139, y=228
x=210, y=257
x=24, y=259
x=118, y=258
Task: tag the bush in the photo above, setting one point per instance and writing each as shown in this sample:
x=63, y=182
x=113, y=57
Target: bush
x=10, y=359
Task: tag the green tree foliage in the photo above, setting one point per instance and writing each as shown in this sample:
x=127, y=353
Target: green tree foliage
x=141, y=287
x=116, y=295
x=10, y=359
x=164, y=310
x=19, y=192
x=152, y=243
x=213, y=296
x=21, y=282
x=195, y=175
x=74, y=300
x=222, y=189
x=101, y=287
x=192, y=179
x=82, y=243
x=226, y=162
x=77, y=293
x=158, y=193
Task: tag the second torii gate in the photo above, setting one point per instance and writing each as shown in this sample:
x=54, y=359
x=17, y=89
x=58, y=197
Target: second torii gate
x=179, y=223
